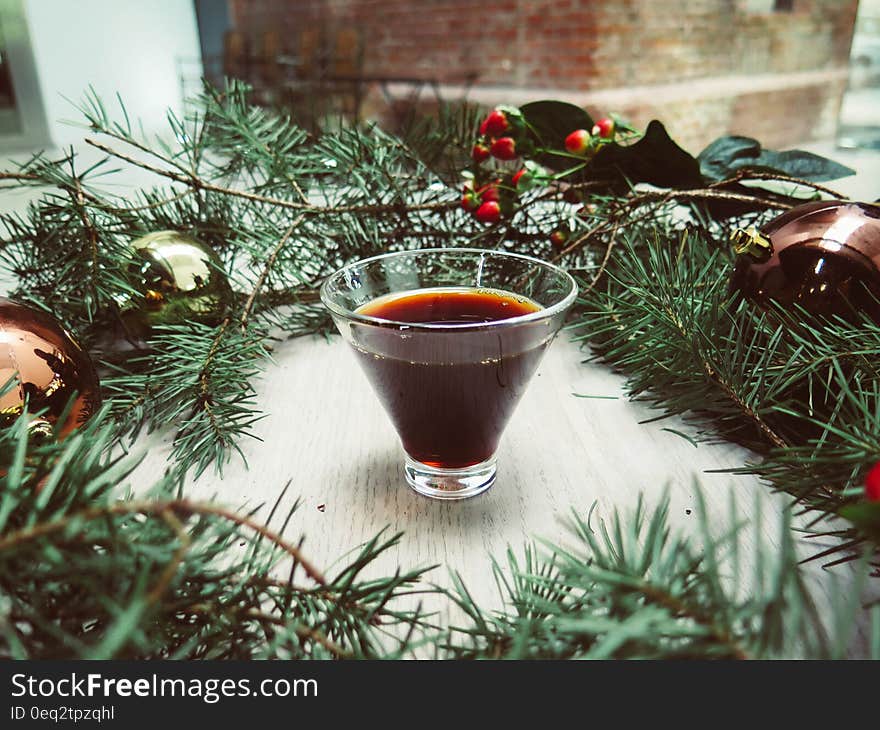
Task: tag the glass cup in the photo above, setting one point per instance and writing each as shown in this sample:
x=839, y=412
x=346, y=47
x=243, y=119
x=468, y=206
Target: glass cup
x=450, y=387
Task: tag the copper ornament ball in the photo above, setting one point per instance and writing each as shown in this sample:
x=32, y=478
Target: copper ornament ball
x=823, y=256
x=47, y=368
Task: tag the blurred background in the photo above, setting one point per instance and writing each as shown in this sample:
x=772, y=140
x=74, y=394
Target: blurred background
x=787, y=72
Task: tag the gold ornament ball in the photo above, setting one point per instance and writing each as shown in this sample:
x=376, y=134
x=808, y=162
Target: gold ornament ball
x=45, y=368
x=181, y=280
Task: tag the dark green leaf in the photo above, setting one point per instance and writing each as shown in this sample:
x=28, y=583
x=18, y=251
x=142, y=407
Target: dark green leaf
x=725, y=154
x=552, y=121
x=805, y=165
x=654, y=159
x=731, y=154
x=865, y=516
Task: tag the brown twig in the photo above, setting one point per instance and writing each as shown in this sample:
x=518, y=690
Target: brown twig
x=598, y=275
x=616, y=219
x=750, y=413
x=199, y=184
x=78, y=198
x=303, y=632
x=705, y=194
x=140, y=146
x=295, y=296
x=19, y=176
x=141, y=399
x=582, y=240
x=757, y=175
x=79, y=191
x=579, y=242
x=680, y=609
x=148, y=206
x=204, y=384
x=171, y=569
x=746, y=409
x=251, y=613
x=553, y=191
x=728, y=391
x=27, y=176
x=264, y=274
x=660, y=197
x=193, y=180
x=180, y=508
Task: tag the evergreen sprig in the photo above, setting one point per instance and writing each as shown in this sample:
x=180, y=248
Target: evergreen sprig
x=192, y=364
x=799, y=391
x=632, y=587
x=87, y=571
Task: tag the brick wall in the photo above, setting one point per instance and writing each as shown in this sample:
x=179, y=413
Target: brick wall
x=705, y=67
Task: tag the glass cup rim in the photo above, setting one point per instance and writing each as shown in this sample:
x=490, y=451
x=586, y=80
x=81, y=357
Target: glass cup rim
x=545, y=313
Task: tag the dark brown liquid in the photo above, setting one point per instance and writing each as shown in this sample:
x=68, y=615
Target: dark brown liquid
x=450, y=393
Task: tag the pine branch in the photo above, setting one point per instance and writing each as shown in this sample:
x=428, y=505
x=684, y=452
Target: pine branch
x=84, y=573
x=198, y=377
x=634, y=588
x=201, y=184
x=799, y=391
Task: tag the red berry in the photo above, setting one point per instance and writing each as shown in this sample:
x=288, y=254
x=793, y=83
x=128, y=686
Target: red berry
x=522, y=180
x=872, y=484
x=504, y=148
x=495, y=124
x=490, y=192
x=558, y=238
x=479, y=152
x=604, y=128
x=578, y=142
x=488, y=212
x=469, y=200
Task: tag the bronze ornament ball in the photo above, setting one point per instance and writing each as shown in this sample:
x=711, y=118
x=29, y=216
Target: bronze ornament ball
x=47, y=371
x=181, y=280
x=823, y=256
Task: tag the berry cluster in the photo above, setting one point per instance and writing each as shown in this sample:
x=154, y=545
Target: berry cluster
x=491, y=192
x=498, y=136
x=488, y=200
x=492, y=188
x=586, y=144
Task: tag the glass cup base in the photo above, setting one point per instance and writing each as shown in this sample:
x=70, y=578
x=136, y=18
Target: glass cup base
x=436, y=483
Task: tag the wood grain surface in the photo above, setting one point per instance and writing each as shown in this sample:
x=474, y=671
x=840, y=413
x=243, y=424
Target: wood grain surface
x=326, y=434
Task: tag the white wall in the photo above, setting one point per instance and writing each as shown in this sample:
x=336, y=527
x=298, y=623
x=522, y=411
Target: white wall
x=129, y=46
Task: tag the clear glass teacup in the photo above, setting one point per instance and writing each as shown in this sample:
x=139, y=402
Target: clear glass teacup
x=449, y=339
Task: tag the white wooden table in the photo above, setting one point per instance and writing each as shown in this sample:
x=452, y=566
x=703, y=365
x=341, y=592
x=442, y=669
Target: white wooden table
x=327, y=434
